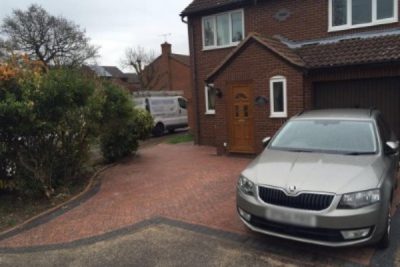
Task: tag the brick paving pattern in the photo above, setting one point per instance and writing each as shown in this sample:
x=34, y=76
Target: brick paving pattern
x=181, y=182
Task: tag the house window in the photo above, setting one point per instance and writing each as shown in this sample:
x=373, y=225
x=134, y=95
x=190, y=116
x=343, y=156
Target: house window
x=223, y=30
x=210, y=95
x=348, y=14
x=278, y=97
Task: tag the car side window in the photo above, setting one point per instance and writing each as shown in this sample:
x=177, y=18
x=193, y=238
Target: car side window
x=182, y=103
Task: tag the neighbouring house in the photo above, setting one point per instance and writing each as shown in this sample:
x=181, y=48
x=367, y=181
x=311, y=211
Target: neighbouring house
x=171, y=72
x=257, y=63
x=129, y=81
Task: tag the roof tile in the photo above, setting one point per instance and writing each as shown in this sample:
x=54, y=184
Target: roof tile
x=351, y=52
x=203, y=5
x=346, y=52
x=181, y=58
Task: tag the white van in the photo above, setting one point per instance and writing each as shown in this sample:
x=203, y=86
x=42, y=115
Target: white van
x=169, y=112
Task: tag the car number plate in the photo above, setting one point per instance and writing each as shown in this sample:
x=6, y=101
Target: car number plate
x=291, y=217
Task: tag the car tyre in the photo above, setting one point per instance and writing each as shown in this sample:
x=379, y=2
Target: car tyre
x=385, y=240
x=158, y=130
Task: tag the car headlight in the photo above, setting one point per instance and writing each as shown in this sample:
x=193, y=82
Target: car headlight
x=245, y=185
x=359, y=199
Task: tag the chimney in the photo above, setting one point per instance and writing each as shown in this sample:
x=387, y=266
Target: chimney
x=166, y=49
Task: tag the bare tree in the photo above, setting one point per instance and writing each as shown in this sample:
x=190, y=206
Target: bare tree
x=2, y=49
x=6, y=50
x=52, y=40
x=141, y=61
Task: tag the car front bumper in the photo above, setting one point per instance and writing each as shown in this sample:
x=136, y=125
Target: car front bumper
x=325, y=228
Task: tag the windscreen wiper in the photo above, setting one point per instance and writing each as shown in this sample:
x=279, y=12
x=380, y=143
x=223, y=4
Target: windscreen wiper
x=301, y=151
x=358, y=153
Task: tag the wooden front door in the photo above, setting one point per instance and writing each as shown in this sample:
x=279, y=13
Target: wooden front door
x=241, y=120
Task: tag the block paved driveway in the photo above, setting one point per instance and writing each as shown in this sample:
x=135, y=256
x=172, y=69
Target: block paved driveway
x=185, y=184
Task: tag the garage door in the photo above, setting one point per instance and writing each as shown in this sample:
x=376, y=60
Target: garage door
x=383, y=94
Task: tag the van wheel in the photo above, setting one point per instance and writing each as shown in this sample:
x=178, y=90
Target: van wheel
x=385, y=240
x=158, y=129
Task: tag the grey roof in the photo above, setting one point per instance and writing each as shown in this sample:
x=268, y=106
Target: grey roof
x=114, y=71
x=100, y=71
x=184, y=59
x=107, y=71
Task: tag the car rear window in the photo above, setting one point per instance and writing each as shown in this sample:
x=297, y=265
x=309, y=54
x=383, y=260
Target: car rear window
x=330, y=136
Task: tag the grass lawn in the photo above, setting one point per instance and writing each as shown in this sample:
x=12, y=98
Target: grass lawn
x=182, y=138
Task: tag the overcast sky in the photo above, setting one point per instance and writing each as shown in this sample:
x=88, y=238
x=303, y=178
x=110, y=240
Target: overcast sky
x=116, y=25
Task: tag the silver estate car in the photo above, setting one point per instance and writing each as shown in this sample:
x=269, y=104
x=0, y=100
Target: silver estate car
x=327, y=177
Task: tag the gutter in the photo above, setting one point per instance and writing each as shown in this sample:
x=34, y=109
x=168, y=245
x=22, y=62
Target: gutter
x=195, y=96
x=216, y=7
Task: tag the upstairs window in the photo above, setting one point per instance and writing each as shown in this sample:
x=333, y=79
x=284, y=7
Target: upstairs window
x=348, y=14
x=223, y=30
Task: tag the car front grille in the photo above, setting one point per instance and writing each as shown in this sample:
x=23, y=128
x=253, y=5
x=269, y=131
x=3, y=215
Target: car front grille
x=319, y=234
x=305, y=201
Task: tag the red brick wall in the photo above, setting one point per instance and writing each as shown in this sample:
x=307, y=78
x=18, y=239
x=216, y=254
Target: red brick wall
x=308, y=20
x=180, y=77
x=128, y=86
x=181, y=81
x=170, y=74
x=261, y=66
x=159, y=80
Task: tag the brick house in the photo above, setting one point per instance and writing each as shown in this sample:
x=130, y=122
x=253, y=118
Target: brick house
x=257, y=63
x=171, y=72
x=129, y=81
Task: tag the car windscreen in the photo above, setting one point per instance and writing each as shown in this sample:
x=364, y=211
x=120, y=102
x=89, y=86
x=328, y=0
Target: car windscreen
x=327, y=136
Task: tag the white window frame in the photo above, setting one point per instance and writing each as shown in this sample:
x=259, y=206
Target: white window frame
x=214, y=18
x=375, y=20
x=208, y=111
x=278, y=79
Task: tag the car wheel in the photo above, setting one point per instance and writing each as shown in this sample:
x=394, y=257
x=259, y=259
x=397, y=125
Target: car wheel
x=158, y=130
x=385, y=240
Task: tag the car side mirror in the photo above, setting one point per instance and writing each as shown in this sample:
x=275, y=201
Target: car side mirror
x=265, y=141
x=391, y=147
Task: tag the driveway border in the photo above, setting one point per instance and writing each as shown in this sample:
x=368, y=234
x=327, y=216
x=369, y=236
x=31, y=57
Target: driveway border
x=90, y=190
x=255, y=243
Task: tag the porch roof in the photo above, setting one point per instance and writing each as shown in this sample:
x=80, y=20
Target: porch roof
x=356, y=51
x=339, y=52
x=272, y=44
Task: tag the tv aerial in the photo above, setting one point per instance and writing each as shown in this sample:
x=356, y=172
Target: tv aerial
x=165, y=36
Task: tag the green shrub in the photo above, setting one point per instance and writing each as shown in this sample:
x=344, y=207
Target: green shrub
x=46, y=120
x=144, y=124
x=122, y=125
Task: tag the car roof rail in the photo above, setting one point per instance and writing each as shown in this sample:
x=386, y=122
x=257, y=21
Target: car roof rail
x=371, y=110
